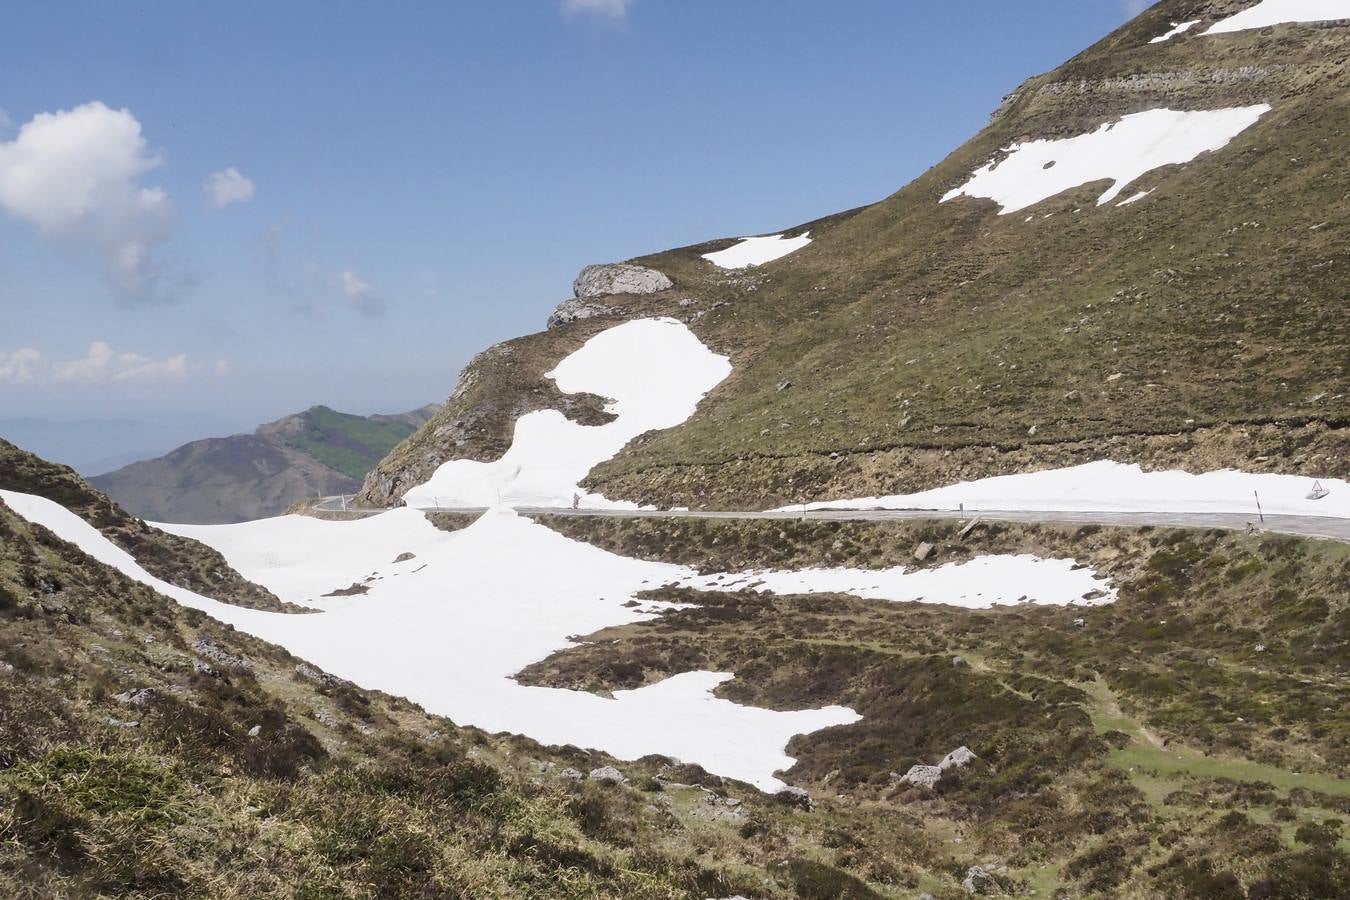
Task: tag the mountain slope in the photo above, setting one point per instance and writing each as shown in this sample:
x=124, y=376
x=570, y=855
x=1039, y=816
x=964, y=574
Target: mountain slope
x=177, y=560
x=250, y=476
x=916, y=342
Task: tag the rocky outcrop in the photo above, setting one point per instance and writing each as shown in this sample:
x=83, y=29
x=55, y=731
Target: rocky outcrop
x=957, y=759
x=922, y=776
x=618, y=278
x=575, y=310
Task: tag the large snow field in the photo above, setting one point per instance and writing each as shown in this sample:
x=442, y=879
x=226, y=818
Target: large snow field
x=979, y=583
x=1119, y=152
x=450, y=629
x=1107, y=486
x=654, y=372
x=756, y=251
x=1279, y=12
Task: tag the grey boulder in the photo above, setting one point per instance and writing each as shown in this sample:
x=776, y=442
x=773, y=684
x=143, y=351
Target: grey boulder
x=619, y=278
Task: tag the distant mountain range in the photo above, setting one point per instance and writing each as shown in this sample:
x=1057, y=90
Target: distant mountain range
x=251, y=476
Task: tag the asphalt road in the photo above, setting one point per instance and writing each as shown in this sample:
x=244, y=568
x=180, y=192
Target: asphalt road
x=1307, y=526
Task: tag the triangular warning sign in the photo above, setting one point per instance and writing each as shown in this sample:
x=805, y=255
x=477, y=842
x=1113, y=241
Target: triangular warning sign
x=1317, y=492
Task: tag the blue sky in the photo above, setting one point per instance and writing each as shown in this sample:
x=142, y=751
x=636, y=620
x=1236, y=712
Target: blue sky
x=403, y=184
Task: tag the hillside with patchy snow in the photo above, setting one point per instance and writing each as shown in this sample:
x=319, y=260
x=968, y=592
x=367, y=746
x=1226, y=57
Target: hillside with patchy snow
x=1137, y=261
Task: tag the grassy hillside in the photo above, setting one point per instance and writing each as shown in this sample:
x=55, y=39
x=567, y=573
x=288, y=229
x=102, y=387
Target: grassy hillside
x=177, y=560
x=1188, y=742
x=349, y=444
x=916, y=342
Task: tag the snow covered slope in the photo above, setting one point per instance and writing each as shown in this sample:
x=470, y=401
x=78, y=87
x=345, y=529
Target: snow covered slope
x=1280, y=12
x=655, y=371
x=1113, y=487
x=756, y=251
x=449, y=630
x=1118, y=151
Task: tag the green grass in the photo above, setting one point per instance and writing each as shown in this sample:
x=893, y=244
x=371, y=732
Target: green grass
x=350, y=444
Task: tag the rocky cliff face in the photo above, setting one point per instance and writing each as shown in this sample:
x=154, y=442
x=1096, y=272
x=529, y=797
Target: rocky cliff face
x=924, y=339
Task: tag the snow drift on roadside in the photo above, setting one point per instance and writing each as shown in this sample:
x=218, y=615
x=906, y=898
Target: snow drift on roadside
x=978, y=583
x=756, y=251
x=1119, y=151
x=1280, y=12
x=654, y=372
x=1107, y=486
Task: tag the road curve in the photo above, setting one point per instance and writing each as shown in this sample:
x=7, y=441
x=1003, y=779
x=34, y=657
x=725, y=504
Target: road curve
x=1333, y=528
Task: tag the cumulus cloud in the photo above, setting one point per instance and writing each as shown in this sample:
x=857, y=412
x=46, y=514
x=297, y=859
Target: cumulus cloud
x=611, y=9
x=226, y=187
x=360, y=294
x=101, y=364
x=75, y=175
x=20, y=365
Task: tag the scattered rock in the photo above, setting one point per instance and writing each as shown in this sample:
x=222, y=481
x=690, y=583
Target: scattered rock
x=980, y=880
x=255, y=731
x=959, y=662
x=958, y=759
x=795, y=797
x=119, y=723
x=137, y=698
x=217, y=654
x=619, y=278
x=923, y=551
x=783, y=385
x=607, y=775
x=6, y=668
x=404, y=557
x=922, y=776
x=571, y=774
x=1080, y=623
x=575, y=310
x=1115, y=377
x=309, y=673
x=203, y=668
x=1212, y=661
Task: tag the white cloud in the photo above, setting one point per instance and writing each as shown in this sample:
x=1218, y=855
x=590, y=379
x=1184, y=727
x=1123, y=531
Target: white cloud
x=75, y=176
x=227, y=186
x=102, y=363
x=4, y=119
x=612, y=9
x=222, y=368
x=19, y=366
x=361, y=294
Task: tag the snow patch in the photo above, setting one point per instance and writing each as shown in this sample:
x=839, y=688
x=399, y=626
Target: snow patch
x=979, y=583
x=1106, y=486
x=491, y=599
x=1281, y=12
x=1119, y=152
x=654, y=372
x=756, y=251
x=1177, y=28
x=1135, y=198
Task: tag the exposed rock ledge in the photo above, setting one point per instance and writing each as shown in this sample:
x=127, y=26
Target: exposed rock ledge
x=619, y=278
x=606, y=280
